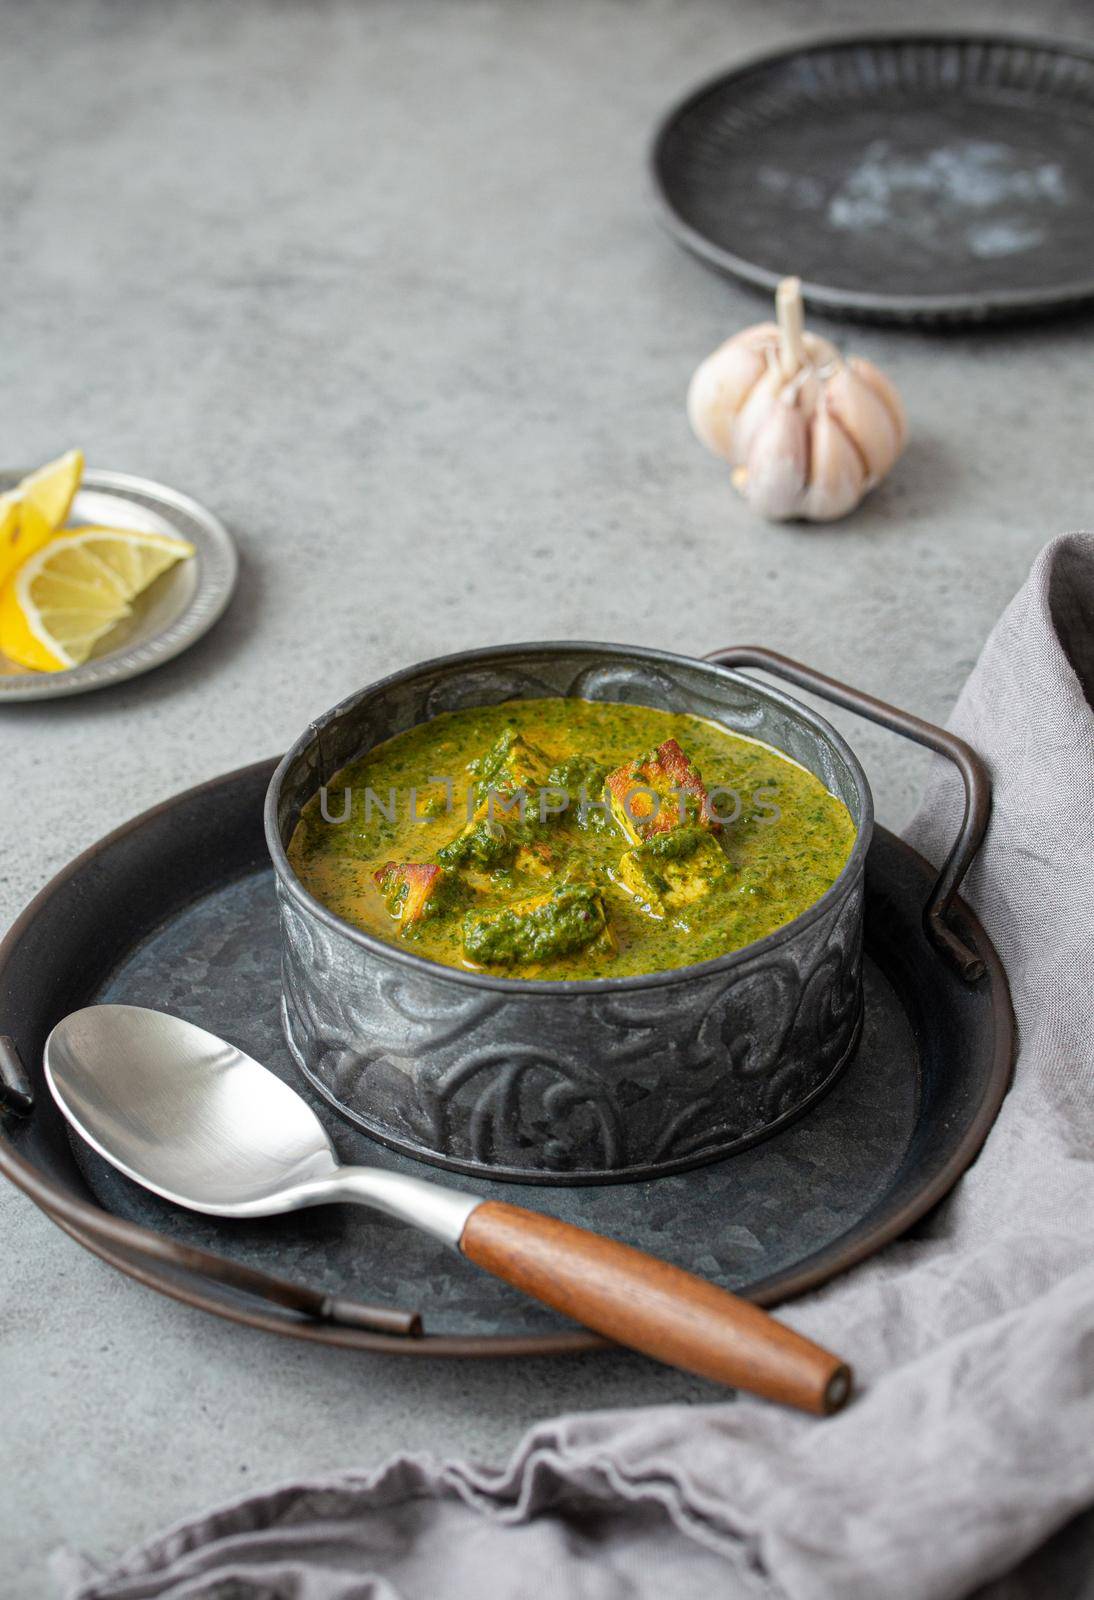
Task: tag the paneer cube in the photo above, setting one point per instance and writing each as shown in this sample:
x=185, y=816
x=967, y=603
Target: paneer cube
x=669, y=872
x=539, y=929
x=484, y=844
x=508, y=779
x=511, y=764
x=658, y=793
x=413, y=890
x=535, y=860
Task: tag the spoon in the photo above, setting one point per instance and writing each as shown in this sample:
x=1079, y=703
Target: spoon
x=195, y=1120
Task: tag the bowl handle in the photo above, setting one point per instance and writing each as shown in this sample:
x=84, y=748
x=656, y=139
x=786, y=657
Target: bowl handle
x=974, y=776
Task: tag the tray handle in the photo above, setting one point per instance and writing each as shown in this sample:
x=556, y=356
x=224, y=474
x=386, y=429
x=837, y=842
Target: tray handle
x=16, y=1093
x=114, y=1235
x=974, y=776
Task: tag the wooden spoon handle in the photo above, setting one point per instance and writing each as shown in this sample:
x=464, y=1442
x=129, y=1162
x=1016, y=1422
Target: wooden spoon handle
x=653, y=1307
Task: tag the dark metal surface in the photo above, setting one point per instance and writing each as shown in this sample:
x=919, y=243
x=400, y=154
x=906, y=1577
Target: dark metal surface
x=925, y=177
x=974, y=777
x=183, y=890
x=15, y=1090
x=577, y=1081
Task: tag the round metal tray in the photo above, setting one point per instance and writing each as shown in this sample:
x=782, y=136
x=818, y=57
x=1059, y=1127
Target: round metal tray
x=176, y=910
x=905, y=178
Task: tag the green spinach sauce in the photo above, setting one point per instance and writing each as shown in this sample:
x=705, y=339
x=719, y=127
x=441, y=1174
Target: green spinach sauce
x=507, y=848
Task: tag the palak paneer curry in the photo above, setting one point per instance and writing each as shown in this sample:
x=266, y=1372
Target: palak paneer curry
x=571, y=839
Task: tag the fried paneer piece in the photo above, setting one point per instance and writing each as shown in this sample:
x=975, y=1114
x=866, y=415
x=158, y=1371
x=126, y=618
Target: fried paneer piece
x=669, y=872
x=512, y=764
x=486, y=849
x=538, y=929
x=413, y=890
x=681, y=794
x=508, y=778
x=484, y=844
x=535, y=860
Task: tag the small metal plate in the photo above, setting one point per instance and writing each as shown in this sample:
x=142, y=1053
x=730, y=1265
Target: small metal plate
x=170, y=616
x=918, y=178
x=176, y=911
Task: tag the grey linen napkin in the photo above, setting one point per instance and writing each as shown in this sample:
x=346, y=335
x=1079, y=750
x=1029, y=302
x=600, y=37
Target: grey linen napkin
x=972, y=1439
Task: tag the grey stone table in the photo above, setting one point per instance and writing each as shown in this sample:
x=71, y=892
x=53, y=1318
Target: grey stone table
x=381, y=285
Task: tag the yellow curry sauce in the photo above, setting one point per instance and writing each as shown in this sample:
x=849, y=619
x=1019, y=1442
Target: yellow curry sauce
x=571, y=839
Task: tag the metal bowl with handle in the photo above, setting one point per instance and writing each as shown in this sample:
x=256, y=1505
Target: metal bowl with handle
x=586, y=1080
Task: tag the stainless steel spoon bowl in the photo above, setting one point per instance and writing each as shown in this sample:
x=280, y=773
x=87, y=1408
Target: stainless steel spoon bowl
x=197, y=1121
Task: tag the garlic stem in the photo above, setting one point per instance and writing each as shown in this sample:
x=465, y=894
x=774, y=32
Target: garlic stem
x=791, y=317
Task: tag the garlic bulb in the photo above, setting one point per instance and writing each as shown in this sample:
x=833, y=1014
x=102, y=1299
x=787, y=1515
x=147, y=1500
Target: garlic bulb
x=807, y=433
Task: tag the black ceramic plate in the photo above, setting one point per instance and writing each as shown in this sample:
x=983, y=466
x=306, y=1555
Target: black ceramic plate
x=903, y=178
x=176, y=911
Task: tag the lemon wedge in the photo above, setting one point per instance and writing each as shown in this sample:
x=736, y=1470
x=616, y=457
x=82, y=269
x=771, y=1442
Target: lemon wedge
x=9, y=527
x=47, y=494
x=33, y=511
x=64, y=598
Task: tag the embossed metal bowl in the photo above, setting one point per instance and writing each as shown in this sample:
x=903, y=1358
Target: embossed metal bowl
x=583, y=1081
